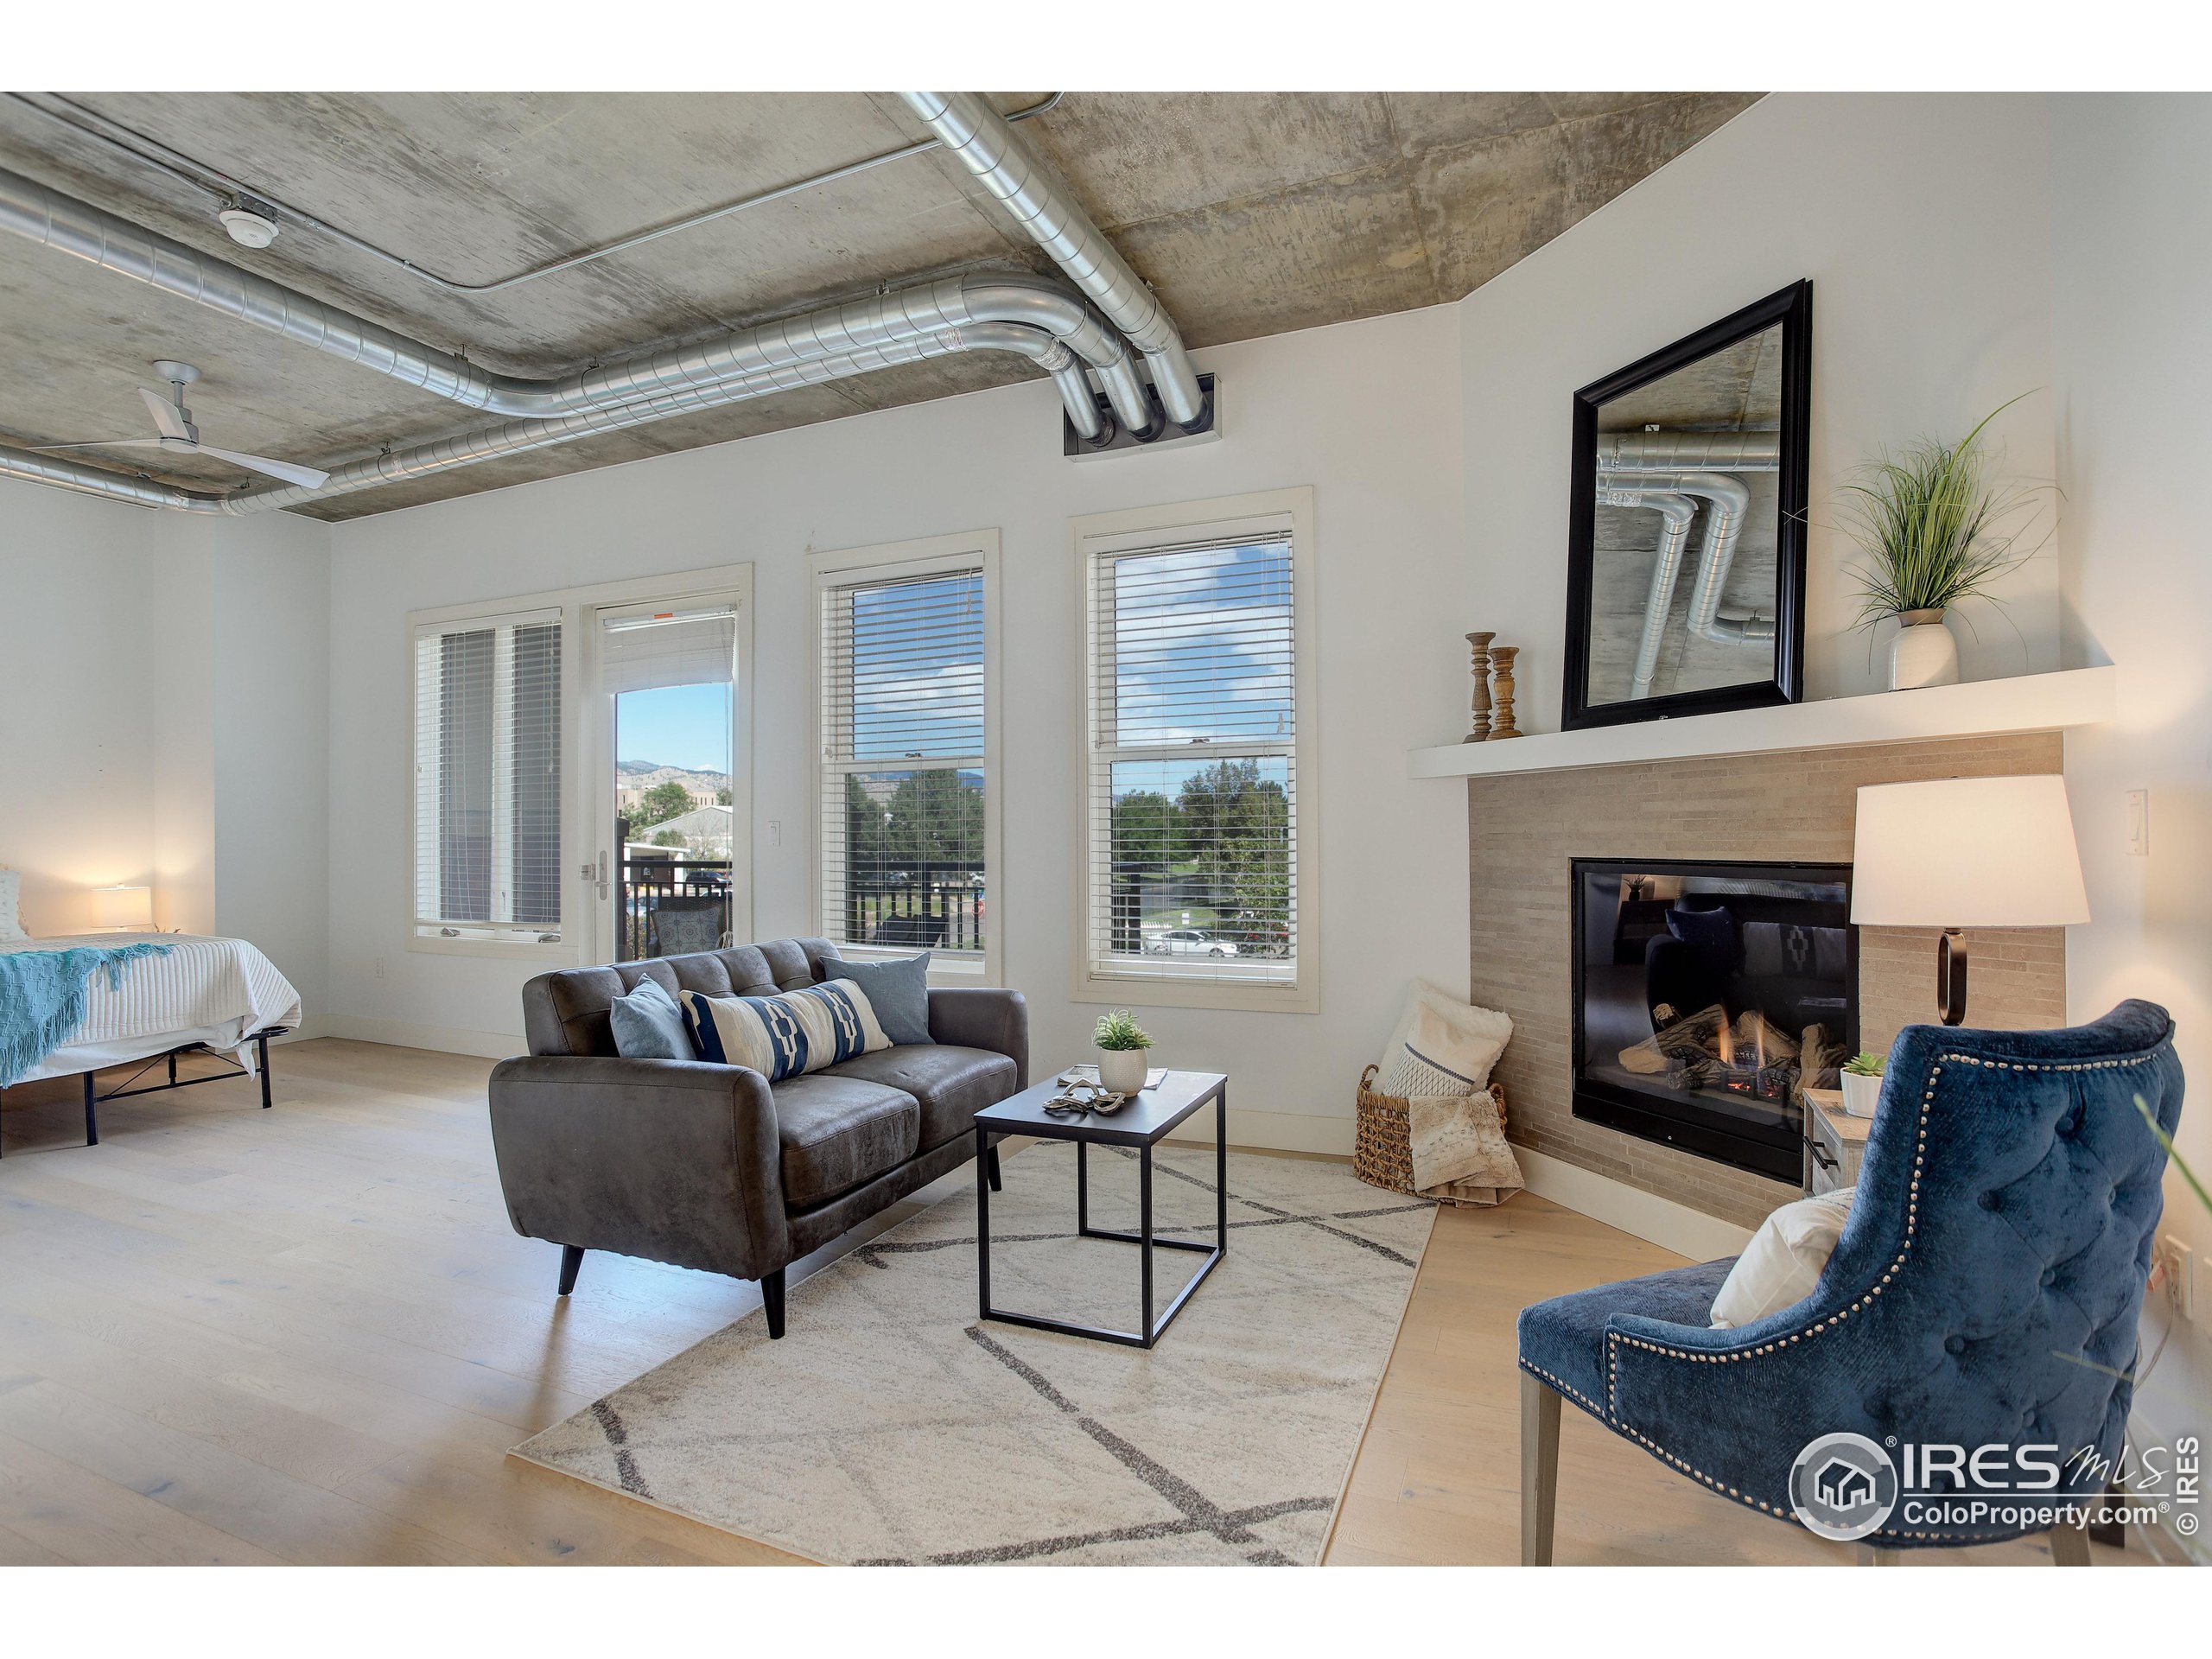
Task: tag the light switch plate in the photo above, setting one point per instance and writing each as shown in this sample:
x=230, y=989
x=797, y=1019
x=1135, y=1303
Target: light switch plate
x=2139, y=822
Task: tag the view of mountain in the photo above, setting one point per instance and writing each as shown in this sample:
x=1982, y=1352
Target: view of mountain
x=644, y=774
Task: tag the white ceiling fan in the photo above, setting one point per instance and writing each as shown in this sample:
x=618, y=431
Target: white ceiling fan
x=174, y=422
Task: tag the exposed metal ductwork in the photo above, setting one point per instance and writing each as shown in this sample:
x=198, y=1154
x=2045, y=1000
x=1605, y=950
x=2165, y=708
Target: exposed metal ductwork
x=259, y=203
x=1663, y=452
x=48, y=216
x=980, y=138
x=1677, y=514
x=1057, y=330
x=1669, y=493
x=516, y=437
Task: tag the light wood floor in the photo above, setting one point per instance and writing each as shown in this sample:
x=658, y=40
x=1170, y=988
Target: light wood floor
x=310, y=1335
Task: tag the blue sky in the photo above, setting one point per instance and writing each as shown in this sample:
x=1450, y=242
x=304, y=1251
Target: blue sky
x=1204, y=654
x=685, y=726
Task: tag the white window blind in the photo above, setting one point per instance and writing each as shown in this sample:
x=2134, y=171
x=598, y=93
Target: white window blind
x=903, y=772
x=488, y=778
x=1192, y=786
x=652, y=651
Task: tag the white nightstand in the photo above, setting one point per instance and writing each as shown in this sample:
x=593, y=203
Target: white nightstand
x=1835, y=1141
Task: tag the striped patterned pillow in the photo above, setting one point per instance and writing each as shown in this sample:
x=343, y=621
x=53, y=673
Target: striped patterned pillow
x=785, y=1035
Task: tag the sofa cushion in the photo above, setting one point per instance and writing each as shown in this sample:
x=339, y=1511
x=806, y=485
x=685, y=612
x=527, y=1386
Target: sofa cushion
x=839, y=1131
x=951, y=1083
x=784, y=1035
x=565, y=1012
x=899, y=989
x=648, y=1026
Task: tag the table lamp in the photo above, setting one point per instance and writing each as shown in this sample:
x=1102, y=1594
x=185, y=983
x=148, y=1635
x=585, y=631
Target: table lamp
x=1965, y=852
x=123, y=909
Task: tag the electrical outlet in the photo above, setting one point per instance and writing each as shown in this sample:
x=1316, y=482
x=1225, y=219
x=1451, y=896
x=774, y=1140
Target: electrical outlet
x=376, y=967
x=2177, y=1265
x=2139, y=822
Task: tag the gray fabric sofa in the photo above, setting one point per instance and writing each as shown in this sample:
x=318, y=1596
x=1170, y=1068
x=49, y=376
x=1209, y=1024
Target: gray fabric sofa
x=711, y=1166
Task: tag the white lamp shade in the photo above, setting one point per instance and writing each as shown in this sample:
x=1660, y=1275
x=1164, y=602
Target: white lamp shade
x=124, y=908
x=1966, y=852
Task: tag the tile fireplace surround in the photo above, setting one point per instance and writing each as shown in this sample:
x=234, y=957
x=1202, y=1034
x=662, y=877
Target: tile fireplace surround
x=1783, y=805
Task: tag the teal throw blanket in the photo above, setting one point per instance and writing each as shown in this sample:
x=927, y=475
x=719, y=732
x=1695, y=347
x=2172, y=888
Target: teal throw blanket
x=42, y=997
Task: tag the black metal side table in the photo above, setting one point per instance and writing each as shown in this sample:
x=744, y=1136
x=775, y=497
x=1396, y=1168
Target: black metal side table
x=1142, y=1122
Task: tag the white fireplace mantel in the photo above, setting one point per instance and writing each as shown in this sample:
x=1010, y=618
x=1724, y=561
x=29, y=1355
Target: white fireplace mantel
x=2027, y=702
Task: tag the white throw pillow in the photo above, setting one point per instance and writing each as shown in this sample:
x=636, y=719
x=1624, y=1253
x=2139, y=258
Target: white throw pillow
x=1780, y=1266
x=11, y=930
x=1441, y=1047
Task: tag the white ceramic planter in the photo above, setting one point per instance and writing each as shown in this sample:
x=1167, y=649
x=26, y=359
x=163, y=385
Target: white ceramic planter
x=1121, y=1070
x=1860, y=1095
x=1924, y=652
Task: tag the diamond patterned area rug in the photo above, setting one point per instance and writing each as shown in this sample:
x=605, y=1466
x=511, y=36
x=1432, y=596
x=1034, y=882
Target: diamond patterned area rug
x=891, y=1426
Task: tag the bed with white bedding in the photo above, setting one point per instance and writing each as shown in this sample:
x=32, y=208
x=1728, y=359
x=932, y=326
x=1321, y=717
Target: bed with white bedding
x=220, y=995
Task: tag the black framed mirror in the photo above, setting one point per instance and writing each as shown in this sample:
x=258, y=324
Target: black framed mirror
x=1686, y=532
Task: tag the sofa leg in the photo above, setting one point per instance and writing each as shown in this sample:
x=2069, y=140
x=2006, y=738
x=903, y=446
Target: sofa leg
x=572, y=1257
x=2069, y=1547
x=1539, y=1470
x=991, y=1170
x=772, y=1299
x=1873, y=1555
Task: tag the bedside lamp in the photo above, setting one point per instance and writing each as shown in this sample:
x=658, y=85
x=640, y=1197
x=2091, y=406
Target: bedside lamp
x=1965, y=852
x=123, y=909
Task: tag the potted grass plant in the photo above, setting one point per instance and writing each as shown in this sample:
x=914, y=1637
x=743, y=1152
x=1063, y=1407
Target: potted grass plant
x=1934, y=529
x=1124, y=1053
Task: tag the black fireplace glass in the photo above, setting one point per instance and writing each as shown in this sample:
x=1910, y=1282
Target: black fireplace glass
x=1707, y=996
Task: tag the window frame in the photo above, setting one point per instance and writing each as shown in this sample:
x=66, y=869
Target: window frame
x=1270, y=512
x=580, y=733
x=828, y=570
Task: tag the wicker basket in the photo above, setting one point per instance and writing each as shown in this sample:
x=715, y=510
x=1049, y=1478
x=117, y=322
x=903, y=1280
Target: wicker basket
x=1382, y=1148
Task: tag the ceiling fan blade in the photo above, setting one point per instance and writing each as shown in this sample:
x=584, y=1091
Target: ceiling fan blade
x=307, y=476
x=166, y=421
x=99, y=443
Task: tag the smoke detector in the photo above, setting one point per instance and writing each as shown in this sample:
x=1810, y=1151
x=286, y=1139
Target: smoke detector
x=251, y=224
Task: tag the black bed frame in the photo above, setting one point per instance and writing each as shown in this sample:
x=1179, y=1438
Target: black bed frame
x=93, y=1096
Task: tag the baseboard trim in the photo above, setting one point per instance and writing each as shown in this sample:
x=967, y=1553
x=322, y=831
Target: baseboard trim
x=1645, y=1215
x=405, y=1034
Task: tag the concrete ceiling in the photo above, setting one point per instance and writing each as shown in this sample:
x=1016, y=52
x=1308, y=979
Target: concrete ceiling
x=1252, y=213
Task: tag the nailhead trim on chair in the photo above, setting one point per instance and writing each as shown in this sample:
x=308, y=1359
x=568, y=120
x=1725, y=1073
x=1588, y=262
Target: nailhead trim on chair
x=1614, y=1338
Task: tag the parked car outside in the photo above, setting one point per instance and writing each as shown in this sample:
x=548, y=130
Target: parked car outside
x=1187, y=942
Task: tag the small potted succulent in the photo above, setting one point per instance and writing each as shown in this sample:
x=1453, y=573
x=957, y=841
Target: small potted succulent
x=1862, y=1084
x=1124, y=1053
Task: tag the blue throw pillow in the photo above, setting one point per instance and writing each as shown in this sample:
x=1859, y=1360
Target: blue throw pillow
x=648, y=1026
x=899, y=991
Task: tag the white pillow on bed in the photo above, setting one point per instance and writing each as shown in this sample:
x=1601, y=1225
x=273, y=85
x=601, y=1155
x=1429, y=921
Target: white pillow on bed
x=11, y=931
x=1780, y=1266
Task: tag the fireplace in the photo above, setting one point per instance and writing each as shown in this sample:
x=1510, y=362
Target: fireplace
x=1707, y=994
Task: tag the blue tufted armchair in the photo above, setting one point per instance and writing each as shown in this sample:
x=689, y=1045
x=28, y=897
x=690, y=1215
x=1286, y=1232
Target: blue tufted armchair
x=1985, y=1290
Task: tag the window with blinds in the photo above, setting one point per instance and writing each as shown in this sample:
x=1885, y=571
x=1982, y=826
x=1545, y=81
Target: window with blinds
x=487, y=778
x=903, y=775
x=1192, y=785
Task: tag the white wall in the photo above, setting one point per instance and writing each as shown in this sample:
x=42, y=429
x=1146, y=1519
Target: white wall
x=163, y=717
x=1920, y=221
x=2131, y=224
x=1368, y=413
x=78, y=733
